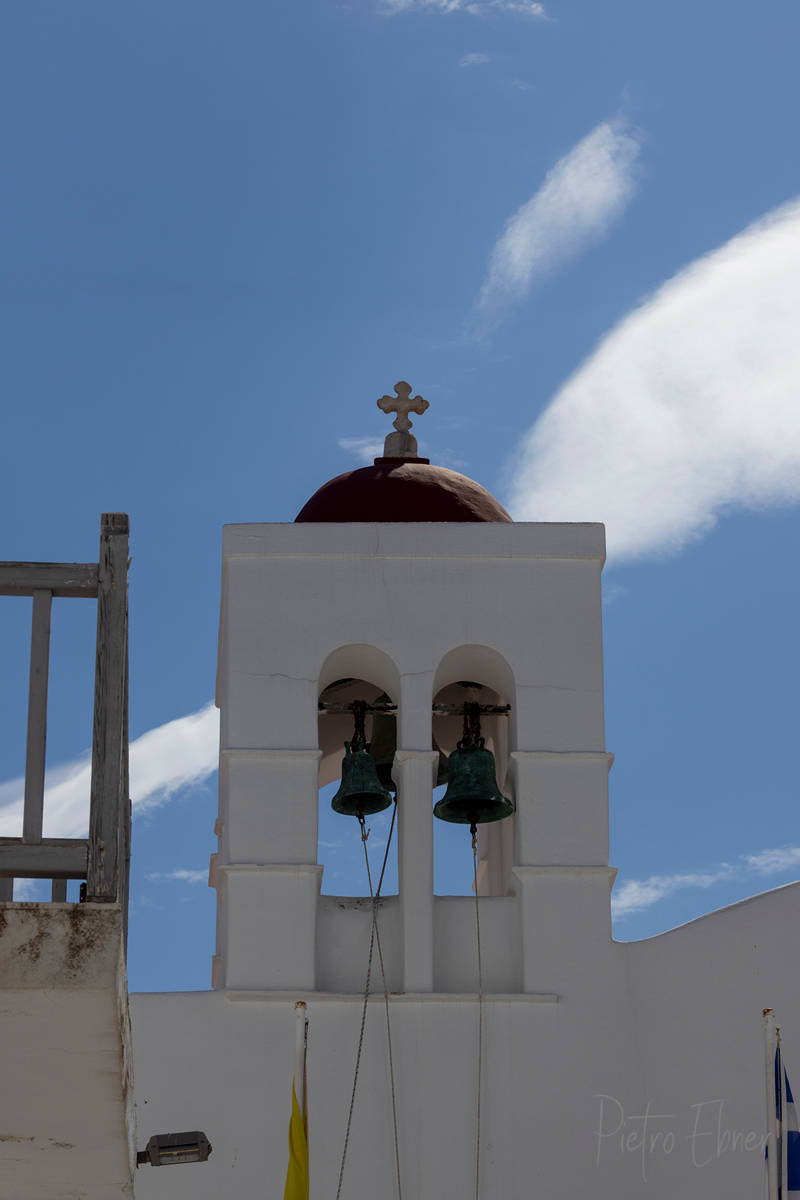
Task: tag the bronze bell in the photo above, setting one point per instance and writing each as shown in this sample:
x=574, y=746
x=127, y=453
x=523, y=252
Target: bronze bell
x=361, y=792
x=472, y=796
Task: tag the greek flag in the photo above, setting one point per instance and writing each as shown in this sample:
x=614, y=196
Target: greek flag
x=790, y=1131
x=784, y=1175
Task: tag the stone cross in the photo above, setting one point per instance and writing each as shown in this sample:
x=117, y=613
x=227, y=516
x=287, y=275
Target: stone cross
x=403, y=404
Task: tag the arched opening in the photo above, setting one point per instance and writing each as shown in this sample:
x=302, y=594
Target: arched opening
x=474, y=675
x=351, y=675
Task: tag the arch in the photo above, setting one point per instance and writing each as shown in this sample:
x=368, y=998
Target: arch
x=361, y=661
x=488, y=668
x=480, y=663
x=352, y=672
x=357, y=671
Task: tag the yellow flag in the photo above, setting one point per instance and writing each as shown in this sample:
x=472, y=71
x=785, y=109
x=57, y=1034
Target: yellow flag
x=297, y=1171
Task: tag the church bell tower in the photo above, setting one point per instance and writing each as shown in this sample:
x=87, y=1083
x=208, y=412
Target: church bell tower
x=407, y=588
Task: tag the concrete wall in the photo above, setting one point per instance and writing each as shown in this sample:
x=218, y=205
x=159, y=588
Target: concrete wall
x=66, y=1110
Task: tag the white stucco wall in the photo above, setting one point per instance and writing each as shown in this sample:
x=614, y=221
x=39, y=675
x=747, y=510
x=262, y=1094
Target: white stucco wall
x=66, y=1109
x=411, y=609
x=673, y=1023
x=665, y=1035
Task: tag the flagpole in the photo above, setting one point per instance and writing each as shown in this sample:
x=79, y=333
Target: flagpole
x=300, y=1042
x=784, y=1115
x=297, y=1184
x=773, y=1143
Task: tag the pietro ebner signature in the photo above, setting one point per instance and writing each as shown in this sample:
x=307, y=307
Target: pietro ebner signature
x=701, y=1132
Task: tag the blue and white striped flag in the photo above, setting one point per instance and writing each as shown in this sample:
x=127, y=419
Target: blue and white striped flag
x=790, y=1131
x=786, y=1129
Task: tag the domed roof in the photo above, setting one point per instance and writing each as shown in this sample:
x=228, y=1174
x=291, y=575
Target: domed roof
x=402, y=489
x=401, y=486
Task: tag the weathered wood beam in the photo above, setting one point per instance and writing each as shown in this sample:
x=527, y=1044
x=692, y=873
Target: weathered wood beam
x=110, y=733
x=54, y=858
x=62, y=579
x=124, y=843
x=58, y=891
x=37, y=717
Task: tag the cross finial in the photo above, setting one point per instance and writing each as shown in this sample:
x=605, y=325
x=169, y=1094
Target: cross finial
x=402, y=444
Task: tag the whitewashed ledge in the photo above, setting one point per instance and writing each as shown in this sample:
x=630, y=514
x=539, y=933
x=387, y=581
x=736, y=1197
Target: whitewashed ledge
x=238, y=995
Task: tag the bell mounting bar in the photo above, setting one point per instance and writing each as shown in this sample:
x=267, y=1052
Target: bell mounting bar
x=457, y=710
x=439, y=710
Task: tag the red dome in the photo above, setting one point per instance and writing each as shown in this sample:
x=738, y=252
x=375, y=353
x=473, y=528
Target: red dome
x=402, y=489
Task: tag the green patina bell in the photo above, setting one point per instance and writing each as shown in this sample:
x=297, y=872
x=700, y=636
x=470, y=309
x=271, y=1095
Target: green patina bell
x=472, y=796
x=361, y=792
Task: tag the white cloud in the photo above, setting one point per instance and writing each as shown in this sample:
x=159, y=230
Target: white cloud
x=637, y=894
x=687, y=409
x=475, y=8
x=31, y=889
x=580, y=197
x=770, y=861
x=181, y=875
x=170, y=757
x=474, y=60
x=522, y=8
x=365, y=449
x=612, y=591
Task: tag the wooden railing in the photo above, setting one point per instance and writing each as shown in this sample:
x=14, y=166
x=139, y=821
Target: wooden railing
x=102, y=859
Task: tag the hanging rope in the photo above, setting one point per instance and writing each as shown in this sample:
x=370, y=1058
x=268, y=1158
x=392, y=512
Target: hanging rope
x=376, y=930
x=474, y=832
x=374, y=938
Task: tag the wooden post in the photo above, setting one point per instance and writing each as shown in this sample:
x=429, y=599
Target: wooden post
x=124, y=842
x=37, y=717
x=110, y=734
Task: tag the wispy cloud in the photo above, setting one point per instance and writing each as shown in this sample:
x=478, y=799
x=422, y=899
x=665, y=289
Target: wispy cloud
x=581, y=196
x=768, y=862
x=522, y=8
x=31, y=889
x=637, y=894
x=687, y=409
x=365, y=449
x=529, y=9
x=180, y=875
x=162, y=761
x=449, y=458
x=474, y=60
x=612, y=591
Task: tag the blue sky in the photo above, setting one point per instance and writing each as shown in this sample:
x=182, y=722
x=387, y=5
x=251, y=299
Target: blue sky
x=226, y=231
